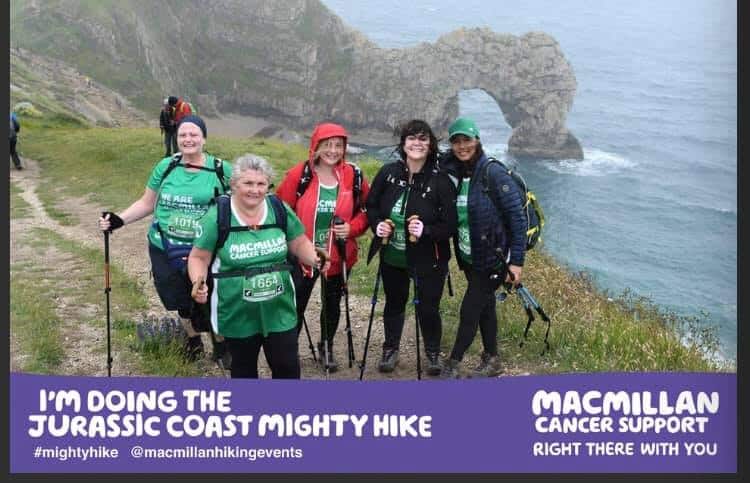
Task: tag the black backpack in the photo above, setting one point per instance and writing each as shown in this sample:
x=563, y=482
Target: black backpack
x=177, y=254
x=177, y=161
x=306, y=177
x=202, y=320
x=532, y=210
x=224, y=219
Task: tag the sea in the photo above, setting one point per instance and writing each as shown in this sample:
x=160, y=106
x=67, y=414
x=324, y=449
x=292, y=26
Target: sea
x=652, y=207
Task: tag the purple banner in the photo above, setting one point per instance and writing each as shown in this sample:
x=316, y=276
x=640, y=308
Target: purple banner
x=642, y=423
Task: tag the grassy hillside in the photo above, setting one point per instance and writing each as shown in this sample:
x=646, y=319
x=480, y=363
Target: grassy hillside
x=591, y=331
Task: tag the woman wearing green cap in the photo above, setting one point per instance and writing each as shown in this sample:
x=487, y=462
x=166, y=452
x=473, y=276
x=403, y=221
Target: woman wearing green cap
x=490, y=243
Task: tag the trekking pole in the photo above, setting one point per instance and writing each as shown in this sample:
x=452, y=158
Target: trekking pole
x=323, y=315
x=219, y=362
x=416, y=320
x=107, y=290
x=532, y=302
x=309, y=339
x=341, y=247
x=374, y=301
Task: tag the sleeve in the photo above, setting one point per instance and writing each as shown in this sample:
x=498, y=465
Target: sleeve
x=154, y=180
x=359, y=221
x=507, y=197
x=447, y=223
x=287, y=190
x=294, y=227
x=374, y=216
x=207, y=231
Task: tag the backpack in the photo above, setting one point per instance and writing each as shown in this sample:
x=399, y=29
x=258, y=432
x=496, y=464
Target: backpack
x=177, y=253
x=304, y=182
x=13, y=128
x=532, y=210
x=218, y=169
x=224, y=219
x=192, y=109
x=202, y=319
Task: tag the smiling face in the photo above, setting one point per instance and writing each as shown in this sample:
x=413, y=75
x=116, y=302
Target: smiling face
x=464, y=147
x=330, y=151
x=190, y=139
x=250, y=188
x=417, y=147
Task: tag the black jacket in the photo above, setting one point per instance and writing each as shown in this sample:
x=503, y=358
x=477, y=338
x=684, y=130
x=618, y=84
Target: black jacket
x=432, y=196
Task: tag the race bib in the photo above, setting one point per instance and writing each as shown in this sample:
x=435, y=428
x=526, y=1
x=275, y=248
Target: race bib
x=398, y=240
x=263, y=286
x=180, y=226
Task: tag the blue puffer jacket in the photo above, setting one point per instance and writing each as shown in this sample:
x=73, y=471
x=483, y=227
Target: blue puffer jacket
x=495, y=236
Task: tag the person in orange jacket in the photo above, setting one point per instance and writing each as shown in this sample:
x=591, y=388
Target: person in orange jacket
x=322, y=189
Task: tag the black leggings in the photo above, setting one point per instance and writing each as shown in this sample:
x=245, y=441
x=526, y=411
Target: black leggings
x=280, y=349
x=303, y=287
x=396, y=286
x=477, y=309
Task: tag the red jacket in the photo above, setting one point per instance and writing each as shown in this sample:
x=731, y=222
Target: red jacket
x=306, y=205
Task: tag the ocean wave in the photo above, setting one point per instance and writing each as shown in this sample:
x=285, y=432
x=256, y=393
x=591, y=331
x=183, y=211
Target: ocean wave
x=595, y=163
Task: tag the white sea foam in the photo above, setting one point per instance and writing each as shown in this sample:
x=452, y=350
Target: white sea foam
x=594, y=163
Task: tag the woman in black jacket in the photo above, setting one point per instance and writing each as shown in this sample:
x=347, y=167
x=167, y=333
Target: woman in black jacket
x=412, y=210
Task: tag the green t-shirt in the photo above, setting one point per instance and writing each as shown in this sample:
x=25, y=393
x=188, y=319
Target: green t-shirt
x=326, y=206
x=464, y=240
x=182, y=199
x=264, y=303
x=395, y=252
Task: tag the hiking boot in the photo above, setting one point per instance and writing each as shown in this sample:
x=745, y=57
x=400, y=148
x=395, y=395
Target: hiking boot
x=433, y=363
x=489, y=366
x=194, y=348
x=451, y=369
x=331, y=363
x=221, y=354
x=389, y=361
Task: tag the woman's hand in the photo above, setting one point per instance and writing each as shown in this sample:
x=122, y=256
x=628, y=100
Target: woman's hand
x=514, y=275
x=322, y=263
x=200, y=291
x=342, y=231
x=416, y=227
x=384, y=229
x=110, y=222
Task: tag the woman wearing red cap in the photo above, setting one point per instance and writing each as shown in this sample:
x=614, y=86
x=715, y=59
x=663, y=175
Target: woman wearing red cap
x=328, y=194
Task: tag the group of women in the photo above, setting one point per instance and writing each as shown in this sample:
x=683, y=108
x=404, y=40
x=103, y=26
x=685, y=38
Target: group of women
x=258, y=279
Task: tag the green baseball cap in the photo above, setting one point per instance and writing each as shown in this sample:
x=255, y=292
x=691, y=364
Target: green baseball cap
x=464, y=126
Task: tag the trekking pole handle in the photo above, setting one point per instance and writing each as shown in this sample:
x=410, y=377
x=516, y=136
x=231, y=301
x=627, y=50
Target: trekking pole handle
x=338, y=221
x=412, y=238
x=392, y=225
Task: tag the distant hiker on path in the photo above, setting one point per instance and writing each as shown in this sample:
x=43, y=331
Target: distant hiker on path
x=411, y=208
x=168, y=128
x=178, y=193
x=482, y=229
x=321, y=190
x=13, y=129
x=251, y=288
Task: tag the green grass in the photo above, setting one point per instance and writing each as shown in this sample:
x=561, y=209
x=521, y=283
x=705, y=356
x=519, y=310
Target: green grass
x=18, y=206
x=34, y=325
x=34, y=286
x=591, y=331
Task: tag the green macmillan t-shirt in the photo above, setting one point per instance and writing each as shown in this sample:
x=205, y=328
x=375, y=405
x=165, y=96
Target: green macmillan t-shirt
x=182, y=199
x=326, y=206
x=264, y=303
x=464, y=240
x=394, y=253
